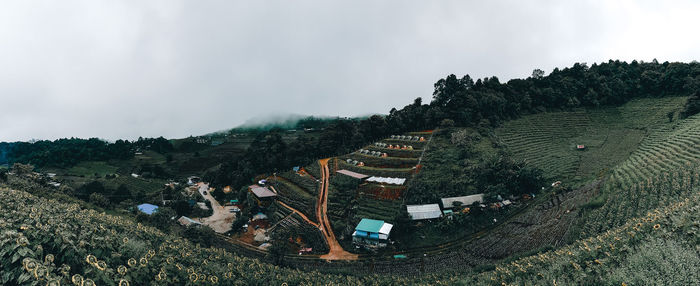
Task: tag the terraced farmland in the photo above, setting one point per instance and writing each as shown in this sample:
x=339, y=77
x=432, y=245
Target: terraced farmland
x=670, y=156
x=667, y=149
x=548, y=140
x=653, y=249
x=377, y=209
x=295, y=196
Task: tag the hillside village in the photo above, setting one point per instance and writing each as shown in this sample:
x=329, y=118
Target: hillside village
x=578, y=195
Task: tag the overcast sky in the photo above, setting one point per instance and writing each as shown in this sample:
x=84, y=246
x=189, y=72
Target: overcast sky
x=124, y=69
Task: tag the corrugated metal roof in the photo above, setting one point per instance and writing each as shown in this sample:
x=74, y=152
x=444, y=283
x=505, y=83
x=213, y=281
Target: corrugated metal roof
x=370, y=225
x=352, y=174
x=465, y=200
x=262, y=192
x=418, y=212
x=386, y=229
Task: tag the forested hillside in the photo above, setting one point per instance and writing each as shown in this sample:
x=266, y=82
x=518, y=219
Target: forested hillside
x=599, y=165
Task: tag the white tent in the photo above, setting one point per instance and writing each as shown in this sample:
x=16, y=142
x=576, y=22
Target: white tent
x=387, y=180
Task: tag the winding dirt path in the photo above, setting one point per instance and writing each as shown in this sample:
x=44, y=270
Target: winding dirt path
x=298, y=212
x=336, y=251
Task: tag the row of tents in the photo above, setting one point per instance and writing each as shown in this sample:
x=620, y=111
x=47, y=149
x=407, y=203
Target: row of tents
x=407, y=137
x=393, y=146
x=372, y=153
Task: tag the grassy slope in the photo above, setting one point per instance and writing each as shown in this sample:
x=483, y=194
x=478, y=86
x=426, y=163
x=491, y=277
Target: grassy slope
x=611, y=134
x=645, y=230
x=667, y=154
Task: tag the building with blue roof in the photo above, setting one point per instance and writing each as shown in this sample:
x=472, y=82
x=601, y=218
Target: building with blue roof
x=371, y=233
x=147, y=208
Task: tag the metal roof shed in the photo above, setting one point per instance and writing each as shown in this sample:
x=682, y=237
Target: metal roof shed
x=262, y=192
x=465, y=200
x=352, y=174
x=419, y=212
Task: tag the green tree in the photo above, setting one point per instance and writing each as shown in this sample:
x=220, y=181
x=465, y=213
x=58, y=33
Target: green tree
x=99, y=200
x=163, y=218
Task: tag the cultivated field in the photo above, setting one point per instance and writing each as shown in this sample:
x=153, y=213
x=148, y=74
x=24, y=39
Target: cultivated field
x=548, y=140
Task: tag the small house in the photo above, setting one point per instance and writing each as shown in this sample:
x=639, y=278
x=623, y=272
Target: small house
x=420, y=212
x=372, y=233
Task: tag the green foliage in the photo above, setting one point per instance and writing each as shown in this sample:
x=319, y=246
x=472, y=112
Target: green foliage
x=657, y=247
x=692, y=106
x=43, y=240
x=99, y=200
x=547, y=140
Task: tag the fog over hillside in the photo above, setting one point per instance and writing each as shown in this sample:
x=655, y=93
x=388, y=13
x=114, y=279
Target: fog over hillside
x=178, y=68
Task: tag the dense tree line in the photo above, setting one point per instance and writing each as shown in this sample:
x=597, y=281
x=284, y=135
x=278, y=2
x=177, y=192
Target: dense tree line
x=64, y=153
x=482, y=103
x=456, y=101
x=469, y=103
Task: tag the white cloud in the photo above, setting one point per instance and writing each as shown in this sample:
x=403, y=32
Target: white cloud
x=174, y=68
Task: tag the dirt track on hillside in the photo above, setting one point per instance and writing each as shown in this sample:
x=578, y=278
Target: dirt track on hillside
x=336, y=251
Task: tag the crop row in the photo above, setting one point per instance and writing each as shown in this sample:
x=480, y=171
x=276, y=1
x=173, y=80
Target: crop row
x=647, y=242
x=295, y=197
x=45, y=242
x=305, y=182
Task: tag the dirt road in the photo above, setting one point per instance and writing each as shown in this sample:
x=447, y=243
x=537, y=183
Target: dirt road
x=303, y=216
x=222, y=218
x=336, y=251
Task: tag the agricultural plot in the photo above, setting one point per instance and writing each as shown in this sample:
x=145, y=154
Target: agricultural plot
x=85, y=247
x=305, y=182
x=377, y=209
x=665, y=162
x=340, y=208
x=548, y=140
x=90, y=169
x=279, y=212
x=382, y=192
x=652, y=249
x=295, y=197
x=668, y=148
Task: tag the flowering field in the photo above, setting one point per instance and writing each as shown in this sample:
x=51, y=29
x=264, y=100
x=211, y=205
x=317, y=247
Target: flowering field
x=45, y=242
x=659, y=247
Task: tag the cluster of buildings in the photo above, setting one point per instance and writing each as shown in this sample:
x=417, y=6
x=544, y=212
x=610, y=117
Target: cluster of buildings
x=375, y=233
